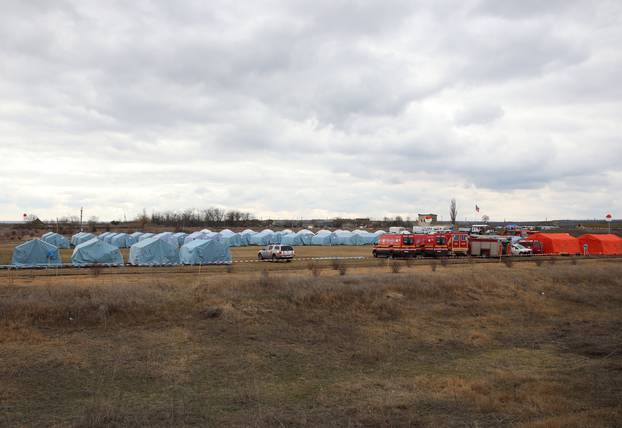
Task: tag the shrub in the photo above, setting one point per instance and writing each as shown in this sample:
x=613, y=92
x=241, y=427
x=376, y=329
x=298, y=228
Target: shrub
x=96, y=270
x=395, y=267
x=314, y=269
x=264, y=279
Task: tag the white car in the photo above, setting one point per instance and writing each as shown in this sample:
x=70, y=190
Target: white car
x=276, y=252
x=519, y=250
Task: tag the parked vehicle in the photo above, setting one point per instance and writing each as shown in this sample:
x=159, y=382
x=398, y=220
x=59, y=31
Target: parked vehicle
x=535, y=246
x=276, y=252
x=419, y=244
x=458, y=243
x=519, y=250
x=489, y=247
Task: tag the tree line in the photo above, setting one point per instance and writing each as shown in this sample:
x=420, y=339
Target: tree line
x=193, y=218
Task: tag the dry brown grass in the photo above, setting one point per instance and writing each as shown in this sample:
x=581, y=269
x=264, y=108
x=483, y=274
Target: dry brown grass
x=471, y=345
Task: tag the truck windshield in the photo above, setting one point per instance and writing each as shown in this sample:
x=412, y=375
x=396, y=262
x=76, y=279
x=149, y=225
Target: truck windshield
x=408, y=241
x=440, y=240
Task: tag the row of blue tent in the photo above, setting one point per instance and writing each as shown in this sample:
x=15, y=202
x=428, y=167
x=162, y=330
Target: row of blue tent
x=232, y=239
x=288, y=237
x=152, y=251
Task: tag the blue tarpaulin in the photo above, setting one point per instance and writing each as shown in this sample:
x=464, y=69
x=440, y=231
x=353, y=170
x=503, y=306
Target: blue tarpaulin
x=202, y=251
x=56, y=239
x=35, y=253
x=95, y=251
x=153, y=251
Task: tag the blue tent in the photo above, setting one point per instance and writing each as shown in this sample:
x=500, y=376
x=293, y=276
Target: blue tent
x=46, y=234
x=231, y=238
x=279, y=234
x=200, y=234
x=324, y=238
x=200, y=252
x=292, y=239
x=145, y=236
x=95, y=251
x=305, y=236
x=74, y=237
x=108, y=238
x=81, y=237
x=56, y=239
x=344, y=237
x=103, y=235
x=153, y=251
x=168, y=237
x=35, y=253
x=362, y=237
x=120, y=240
x=133, y=238
x=181, y=236
x=246, y=235
x=265, y=237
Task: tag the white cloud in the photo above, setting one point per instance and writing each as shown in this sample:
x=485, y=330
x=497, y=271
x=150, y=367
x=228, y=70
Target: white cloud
x=308, y=109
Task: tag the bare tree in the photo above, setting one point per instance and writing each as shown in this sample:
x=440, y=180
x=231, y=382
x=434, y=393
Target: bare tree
x=453, y=211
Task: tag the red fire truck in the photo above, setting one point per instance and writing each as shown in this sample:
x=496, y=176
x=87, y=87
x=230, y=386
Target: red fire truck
x=419, y=244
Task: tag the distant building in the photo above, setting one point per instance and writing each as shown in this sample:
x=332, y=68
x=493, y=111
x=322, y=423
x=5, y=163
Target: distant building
x=426, y=219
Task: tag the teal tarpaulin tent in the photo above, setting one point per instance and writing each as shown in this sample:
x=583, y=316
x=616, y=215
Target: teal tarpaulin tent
x=231, y=238
x=133, y=238
x=56, y=239
x=324, y=237
x=246, y=235
x=96, y=251
x=202, y=251
x=120, y=240
x=81, y=237
x=153, y=251
x=35, y=253
x=168, y=237
x=292, y=239
x=305, y=236
x=101, y=236
x=181, y=237
x=262, y=238
x=145, y=236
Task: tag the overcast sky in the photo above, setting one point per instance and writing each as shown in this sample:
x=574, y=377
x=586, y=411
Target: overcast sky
x=311, y=108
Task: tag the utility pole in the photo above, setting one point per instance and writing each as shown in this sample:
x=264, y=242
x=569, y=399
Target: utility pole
x=81, y=209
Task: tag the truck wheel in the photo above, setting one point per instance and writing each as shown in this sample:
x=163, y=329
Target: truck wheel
x=273, y=258
x=373, y=253
x=259, y=257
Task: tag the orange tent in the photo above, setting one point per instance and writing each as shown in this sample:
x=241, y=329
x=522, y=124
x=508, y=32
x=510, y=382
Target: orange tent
x=601, y=244
x=557, y=243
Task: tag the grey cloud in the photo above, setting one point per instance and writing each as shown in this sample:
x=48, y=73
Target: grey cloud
x=162, y=99
x=478, y=115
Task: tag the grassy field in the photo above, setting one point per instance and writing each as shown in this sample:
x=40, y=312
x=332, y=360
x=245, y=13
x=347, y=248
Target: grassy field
x=469, y=345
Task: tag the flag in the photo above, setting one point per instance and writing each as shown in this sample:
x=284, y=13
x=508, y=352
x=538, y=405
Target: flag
x=476, y=208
